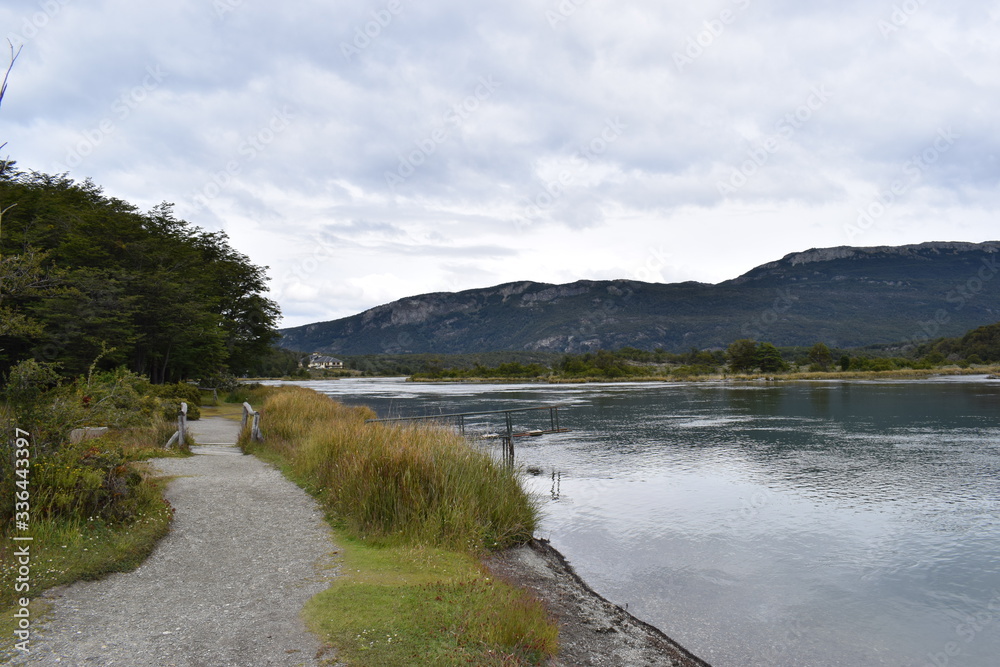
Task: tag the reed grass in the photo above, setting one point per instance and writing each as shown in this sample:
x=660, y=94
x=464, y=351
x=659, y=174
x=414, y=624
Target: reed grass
x=397, y=484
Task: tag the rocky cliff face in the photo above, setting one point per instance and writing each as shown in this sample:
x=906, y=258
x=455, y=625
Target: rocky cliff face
x=927, y=251
x=841, y=296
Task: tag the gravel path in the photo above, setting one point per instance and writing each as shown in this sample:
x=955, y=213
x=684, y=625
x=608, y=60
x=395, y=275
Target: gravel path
x=246, y=550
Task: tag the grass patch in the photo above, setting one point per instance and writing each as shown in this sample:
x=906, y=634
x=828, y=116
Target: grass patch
x=68, y=550
x=414, y=507
x=232, y=411
x=420, y=605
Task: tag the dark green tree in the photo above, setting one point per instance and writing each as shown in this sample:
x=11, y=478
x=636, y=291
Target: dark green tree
x=742, y=355
x=769, y=359
x=820, y=356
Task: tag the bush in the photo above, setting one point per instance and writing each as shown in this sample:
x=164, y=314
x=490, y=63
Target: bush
x=171, y=407
x=89, y=479
x=183, y=391
x=84, y=480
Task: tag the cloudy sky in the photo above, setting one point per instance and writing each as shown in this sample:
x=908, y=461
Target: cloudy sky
x=371, y=150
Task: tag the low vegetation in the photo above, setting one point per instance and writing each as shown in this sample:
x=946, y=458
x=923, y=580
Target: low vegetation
x=978, y=349
x=91, y=506
x=414, y=507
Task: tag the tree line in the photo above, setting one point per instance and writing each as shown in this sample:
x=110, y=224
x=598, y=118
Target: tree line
x=980, y=346
x=86, y=277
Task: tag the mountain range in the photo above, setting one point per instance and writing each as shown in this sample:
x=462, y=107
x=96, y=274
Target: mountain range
x=843, y=296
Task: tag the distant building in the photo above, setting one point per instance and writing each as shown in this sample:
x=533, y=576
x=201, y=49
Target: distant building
x=320, y=362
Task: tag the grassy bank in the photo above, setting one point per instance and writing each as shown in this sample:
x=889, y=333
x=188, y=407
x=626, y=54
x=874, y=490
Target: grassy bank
x=414, y=508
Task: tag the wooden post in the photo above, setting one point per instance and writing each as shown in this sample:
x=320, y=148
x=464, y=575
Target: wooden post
x=509, y=453
x=182, y=424
x=255, y=433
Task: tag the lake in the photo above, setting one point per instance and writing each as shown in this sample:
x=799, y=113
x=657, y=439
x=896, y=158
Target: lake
x=770, y=524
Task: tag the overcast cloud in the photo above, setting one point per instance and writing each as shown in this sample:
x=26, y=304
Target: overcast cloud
x=368, y=151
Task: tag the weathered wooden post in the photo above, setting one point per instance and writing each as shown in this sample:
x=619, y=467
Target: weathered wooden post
x=255, y=432
x=509, y=441
x=182, y=424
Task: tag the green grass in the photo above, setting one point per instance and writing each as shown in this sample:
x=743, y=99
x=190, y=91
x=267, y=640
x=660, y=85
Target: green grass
x=68, y=550
x=413, y=509
x=419, y=605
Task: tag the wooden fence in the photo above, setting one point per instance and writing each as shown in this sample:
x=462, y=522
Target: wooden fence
x=179, y=438
x=252, y=417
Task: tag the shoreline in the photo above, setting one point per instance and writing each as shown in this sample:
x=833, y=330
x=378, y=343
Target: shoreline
x=993, y=372
x=592, y=630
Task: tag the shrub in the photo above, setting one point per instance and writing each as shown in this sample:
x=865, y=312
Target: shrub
x=84, y=480
x=171, y=407
x=92, y=478
x=182, y=391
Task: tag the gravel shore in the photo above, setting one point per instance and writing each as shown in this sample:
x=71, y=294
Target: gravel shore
x=592, y=631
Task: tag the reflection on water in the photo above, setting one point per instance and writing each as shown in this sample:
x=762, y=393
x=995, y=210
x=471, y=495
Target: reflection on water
x=807, y=524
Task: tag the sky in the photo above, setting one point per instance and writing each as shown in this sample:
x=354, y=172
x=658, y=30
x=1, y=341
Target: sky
x=368, y=151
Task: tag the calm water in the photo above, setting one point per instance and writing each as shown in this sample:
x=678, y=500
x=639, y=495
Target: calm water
x=809, y=524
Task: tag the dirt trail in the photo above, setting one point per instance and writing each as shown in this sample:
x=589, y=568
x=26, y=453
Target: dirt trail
x=225, y=588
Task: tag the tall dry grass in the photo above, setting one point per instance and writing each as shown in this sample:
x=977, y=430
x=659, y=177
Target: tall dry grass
x=396, y=484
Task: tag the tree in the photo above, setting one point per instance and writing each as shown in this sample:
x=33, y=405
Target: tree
x=820, y=356
x=742, y=355
x=769, y=359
